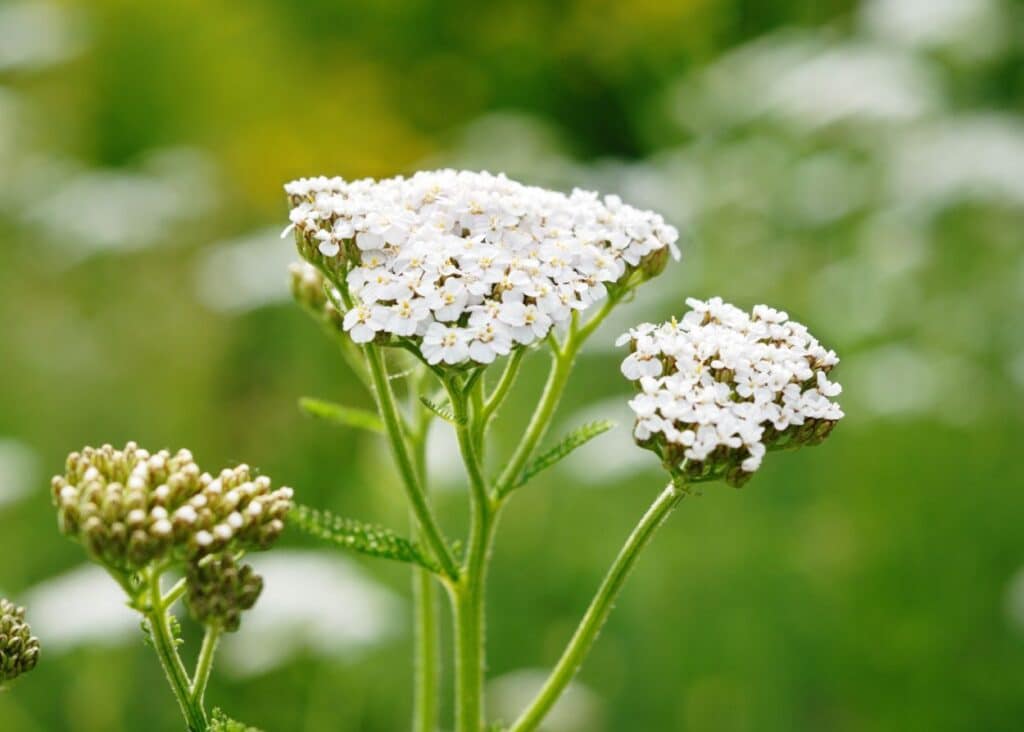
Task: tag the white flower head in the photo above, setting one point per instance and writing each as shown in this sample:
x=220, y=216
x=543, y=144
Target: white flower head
x=721, y=387
x=469, y=265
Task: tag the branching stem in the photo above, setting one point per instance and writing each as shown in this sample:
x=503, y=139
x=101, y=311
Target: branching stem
x=167, y=651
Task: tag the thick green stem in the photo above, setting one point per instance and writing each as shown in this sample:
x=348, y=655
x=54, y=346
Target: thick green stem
x=470, y=660
x=167, y=652
x=204, y=664
x=598, y=612
x=428, y=658
x=393, y=423
x=468, y=596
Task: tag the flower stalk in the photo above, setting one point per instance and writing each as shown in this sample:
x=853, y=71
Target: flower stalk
x=599, y=610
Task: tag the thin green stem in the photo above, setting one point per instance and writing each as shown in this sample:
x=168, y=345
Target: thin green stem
x=504, y=386
x=558, y=376
x=561, y=366
x=167, y=652
x=204, y=664
x=465, y=429
x=393, y=423
x=597, y=613
x=172, y=595
x=427, y=660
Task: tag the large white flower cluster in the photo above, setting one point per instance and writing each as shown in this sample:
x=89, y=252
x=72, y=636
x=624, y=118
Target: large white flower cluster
x=469, y=265
x=721, y=386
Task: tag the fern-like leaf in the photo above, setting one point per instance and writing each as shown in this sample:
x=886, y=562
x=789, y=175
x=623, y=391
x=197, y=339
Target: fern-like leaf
x=338, y=414
x=441, y=411
x=368, y=539
x=577, y=438
x=220, y=722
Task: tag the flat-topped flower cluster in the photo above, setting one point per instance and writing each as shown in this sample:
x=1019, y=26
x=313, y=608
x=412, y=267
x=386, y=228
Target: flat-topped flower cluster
x=470, y=265
x=721, y=387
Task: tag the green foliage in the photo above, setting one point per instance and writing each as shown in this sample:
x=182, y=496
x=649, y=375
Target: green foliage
x=442, y=411
x=340, y=415
x=577, y=438
x=360, y=537
x=220, y=722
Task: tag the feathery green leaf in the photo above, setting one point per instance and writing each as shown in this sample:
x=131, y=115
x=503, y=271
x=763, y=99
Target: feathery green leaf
x=220, y=722
x=336, y=413
x=441, y=411
x=577, y=438
x=369, y=539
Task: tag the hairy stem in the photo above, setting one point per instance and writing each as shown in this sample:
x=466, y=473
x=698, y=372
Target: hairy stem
x=167, y=652
x=504, y=385
x=561, y=366
x=597, y=613
x=425, y=518
x=427, y=661
x=468, y=595
x=428, y=657
x=204, y=664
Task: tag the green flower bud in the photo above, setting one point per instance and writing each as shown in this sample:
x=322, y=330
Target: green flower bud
x=654, y=263
x=19, y=650
x=219, y=590
x=307, y=285
x=130, y=507
x=119, y=503
x=235, y=511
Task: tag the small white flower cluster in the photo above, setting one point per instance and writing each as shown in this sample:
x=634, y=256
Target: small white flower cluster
x=722, y=386
x=470, y=265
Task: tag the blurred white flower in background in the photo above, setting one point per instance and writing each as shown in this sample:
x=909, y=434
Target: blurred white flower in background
x=82, y=607
x=80, y=212
x=18, y=470
x=518, y=144
x=312, y=603
x=244, y=273
x=578, y=710
x=808, y=80
x=903, y=381
x=34, y=35
x=960, y=158
x=971, y=28
x=852, y=81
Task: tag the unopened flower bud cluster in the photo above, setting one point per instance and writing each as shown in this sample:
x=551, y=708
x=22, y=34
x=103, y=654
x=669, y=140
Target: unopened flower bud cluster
x=130, y=507
x=307, y=285
x=470, y=265
x=721, y=387
x=219, y=590
x=19, y=650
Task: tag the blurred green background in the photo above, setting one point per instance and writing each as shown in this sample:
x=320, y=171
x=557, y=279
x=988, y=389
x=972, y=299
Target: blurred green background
x=859, y=164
